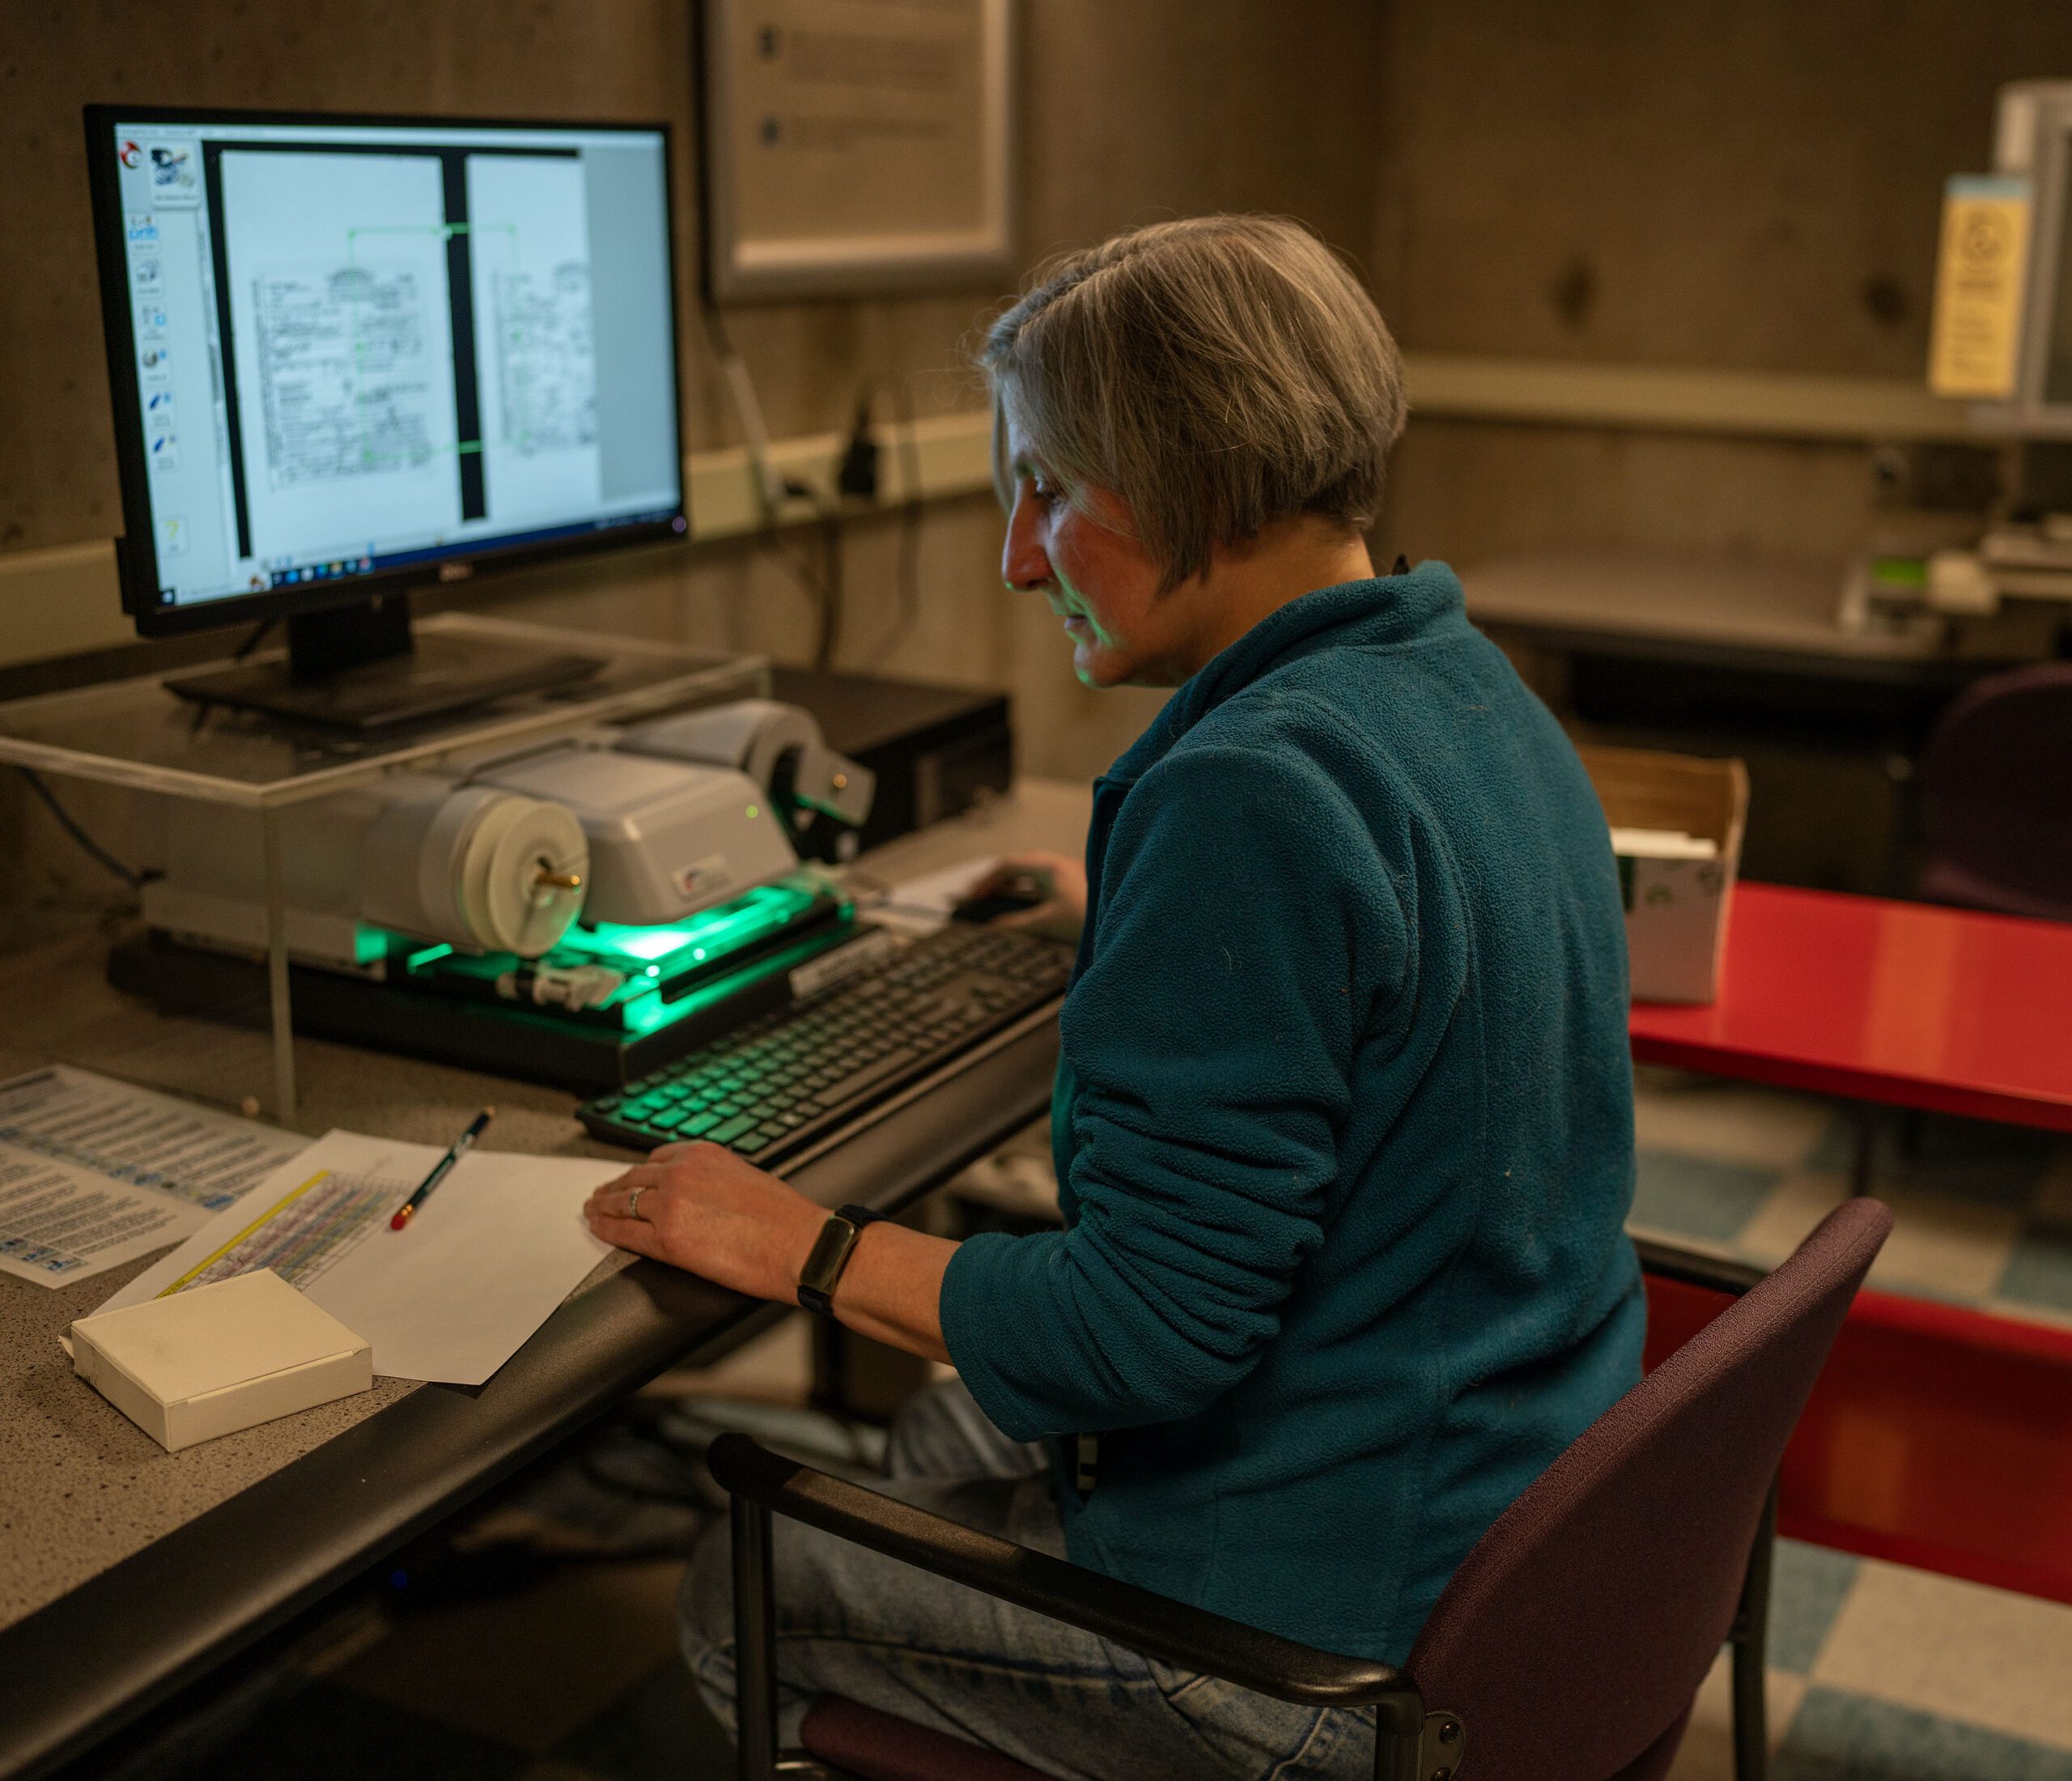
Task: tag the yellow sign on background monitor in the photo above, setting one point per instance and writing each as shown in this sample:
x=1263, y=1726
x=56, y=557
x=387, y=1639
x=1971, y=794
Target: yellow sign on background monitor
x=1974, y=344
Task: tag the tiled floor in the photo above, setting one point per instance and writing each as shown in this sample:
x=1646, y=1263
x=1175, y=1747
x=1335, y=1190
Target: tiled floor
x=1878, y=1673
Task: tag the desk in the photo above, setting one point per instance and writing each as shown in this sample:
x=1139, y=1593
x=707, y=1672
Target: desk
x=1947, y=1010
x=128, y=1573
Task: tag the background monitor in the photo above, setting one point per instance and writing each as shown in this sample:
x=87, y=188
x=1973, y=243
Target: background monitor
x=349, y=353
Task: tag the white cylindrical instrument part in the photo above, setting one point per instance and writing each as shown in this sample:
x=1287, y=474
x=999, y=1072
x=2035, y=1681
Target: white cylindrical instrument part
x=488, y=870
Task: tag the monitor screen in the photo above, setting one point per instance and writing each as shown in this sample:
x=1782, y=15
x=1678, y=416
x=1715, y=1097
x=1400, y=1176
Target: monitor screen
x=348, y=349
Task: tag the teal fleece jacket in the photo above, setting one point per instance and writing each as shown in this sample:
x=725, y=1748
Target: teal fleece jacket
x=1343, y=1129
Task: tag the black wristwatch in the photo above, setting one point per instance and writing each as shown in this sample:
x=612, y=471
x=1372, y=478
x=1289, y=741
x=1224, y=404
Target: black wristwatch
x=830, y=1254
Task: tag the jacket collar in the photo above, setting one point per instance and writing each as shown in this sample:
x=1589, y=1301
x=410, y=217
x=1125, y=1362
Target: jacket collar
x=1383, y=612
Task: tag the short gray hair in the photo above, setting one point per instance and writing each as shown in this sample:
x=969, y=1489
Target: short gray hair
x=1218, y=374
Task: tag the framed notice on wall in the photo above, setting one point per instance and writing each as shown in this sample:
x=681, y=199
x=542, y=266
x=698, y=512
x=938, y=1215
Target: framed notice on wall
x=857, y=146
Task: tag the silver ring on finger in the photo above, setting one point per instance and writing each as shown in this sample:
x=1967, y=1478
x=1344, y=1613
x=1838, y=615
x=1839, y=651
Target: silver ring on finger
x=633, y=1205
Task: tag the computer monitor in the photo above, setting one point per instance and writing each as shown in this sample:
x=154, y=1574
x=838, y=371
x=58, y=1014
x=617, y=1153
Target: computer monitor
x=351, y=353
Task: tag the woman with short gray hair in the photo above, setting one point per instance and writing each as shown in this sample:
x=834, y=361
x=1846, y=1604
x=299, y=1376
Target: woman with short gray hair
x=1343, y=1123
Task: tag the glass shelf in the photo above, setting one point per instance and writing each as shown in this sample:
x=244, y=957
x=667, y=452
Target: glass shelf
x=139, y=735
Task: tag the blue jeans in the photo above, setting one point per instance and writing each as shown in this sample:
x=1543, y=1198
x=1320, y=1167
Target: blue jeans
x=1068, y=1703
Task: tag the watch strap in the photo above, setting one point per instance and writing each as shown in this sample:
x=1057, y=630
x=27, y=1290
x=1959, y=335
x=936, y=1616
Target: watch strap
x=830, y=1254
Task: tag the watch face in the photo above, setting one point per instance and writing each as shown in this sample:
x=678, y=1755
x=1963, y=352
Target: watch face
x=823, y=1268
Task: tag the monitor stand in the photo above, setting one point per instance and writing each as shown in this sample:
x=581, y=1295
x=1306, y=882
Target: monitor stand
x=359, y=669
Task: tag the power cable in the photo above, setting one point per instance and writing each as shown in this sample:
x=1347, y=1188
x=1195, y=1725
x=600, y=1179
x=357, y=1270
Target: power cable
x=906, y=573
x=824, y=587
x=88, y=844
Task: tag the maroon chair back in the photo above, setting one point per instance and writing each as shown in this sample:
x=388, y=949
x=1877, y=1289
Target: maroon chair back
x=1573, y=1638
x=1996, y=782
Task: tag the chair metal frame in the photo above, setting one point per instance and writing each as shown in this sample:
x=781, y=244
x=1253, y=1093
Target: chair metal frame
x=1413, y=1743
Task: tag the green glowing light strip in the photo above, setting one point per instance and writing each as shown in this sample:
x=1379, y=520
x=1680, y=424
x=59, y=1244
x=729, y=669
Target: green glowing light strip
x=762, y=912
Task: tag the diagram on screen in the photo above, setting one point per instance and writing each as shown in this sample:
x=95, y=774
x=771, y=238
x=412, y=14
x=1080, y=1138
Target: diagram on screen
x=547, y=363
x=415, y=348
x=347, y=379
x=345, y=374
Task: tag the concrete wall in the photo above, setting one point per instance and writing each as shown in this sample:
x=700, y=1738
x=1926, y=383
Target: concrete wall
x=1751, y=185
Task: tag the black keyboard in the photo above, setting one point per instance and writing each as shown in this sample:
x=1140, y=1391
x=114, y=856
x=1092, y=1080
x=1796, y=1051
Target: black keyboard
x=772, y=1087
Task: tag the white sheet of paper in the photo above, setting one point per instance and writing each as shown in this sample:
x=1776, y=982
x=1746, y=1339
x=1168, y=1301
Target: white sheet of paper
x=920, y=905
x=94, y=1172
x=452, y=1295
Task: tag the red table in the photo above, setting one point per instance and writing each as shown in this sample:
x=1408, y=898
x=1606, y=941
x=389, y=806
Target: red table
x=1949, y=1010
x=1938, y=1435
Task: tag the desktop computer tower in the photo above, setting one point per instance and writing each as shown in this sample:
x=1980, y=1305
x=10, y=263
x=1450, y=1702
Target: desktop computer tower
x=936, y=750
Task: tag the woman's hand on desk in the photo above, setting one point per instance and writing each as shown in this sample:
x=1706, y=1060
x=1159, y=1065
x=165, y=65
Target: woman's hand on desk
x=704, y=1209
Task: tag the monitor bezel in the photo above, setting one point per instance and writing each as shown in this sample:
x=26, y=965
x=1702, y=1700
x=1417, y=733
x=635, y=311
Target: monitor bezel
x=136, y=550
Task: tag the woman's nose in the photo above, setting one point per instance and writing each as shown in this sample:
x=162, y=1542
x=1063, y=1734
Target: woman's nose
x=1023, y=563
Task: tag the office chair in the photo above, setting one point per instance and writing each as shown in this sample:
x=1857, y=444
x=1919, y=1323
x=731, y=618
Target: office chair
x=1568, y=1647
x=1996, y=782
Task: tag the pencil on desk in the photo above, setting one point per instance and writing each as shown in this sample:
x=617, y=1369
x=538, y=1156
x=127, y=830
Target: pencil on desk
x=442, y=1168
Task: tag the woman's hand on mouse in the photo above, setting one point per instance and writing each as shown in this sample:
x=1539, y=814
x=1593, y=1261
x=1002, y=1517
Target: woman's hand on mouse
x=1058, y=882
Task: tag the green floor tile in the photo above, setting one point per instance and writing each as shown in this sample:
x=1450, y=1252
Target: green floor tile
x=1837, y=1736
x=2040, y=1271
x=1699, y=1196
x=1808, y=1585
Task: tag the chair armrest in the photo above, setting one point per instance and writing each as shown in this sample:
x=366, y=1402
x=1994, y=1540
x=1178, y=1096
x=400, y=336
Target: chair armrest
x=1695, y=1267
x=1175, y=1632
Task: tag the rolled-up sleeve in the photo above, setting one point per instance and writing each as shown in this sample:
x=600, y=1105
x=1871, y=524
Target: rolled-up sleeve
x=1244, y=928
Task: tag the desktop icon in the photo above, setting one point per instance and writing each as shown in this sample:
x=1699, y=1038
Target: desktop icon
x=172, y=536
x=165, y=451
x=172, y=173
x=143, y=227
x=130, y=155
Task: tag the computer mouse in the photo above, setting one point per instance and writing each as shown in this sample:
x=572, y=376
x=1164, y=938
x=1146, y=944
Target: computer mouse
x=1019, y=892
x=982, y=909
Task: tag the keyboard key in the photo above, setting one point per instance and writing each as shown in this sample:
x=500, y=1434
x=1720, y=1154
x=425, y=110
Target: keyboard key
x=783, y=1073
x=855, y=1083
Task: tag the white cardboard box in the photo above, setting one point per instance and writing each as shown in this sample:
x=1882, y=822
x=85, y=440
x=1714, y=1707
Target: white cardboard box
x=214, y=1359
x=1676, y=907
